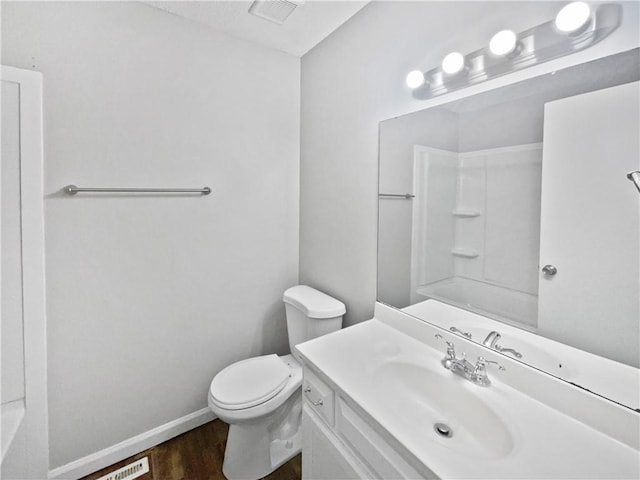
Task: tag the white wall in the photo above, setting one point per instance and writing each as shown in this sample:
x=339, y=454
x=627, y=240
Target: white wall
x=355, y=79
x=149, y=297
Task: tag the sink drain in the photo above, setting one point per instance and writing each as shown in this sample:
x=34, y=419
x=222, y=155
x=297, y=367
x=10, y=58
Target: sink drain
x=443, y=430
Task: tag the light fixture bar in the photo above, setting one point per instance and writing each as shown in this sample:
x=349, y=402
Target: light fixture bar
x=536, y=45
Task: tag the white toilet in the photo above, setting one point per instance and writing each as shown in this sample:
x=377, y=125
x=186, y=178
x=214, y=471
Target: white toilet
x=260, y=398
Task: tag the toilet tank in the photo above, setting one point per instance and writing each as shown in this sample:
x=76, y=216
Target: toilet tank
x=310, y=314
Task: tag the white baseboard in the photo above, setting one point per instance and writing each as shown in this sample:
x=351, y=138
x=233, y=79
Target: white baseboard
x=99, y=460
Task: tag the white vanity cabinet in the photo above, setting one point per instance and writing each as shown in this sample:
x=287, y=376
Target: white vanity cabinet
x=341, y=442
x=324, y=457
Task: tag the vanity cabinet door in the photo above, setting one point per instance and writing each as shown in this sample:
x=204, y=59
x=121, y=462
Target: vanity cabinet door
x=372, y=449
x=323, y=458
x=590, y=236
x=318, y=395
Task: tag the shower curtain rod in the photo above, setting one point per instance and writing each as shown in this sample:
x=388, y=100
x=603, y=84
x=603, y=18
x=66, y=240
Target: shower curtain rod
x=72, y=190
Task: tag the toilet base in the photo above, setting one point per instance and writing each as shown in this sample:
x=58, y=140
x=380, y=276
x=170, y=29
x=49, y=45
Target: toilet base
x=255, y=449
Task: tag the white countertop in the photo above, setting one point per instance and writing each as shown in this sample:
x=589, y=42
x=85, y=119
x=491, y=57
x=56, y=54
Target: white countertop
x=522, y=437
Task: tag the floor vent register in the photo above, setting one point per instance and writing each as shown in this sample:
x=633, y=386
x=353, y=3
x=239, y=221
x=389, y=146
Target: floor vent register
x=129, y=472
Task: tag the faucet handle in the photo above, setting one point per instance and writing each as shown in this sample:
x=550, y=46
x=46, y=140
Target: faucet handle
x=500, y=348
x=451, y=352
x=440, y=337
x=450, y=346
x=457, y=330
x=482, y=363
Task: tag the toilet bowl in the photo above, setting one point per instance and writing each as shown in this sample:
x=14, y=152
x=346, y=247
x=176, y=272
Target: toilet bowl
x=260, y=397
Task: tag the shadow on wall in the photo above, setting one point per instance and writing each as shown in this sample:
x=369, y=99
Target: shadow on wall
x=273, y=334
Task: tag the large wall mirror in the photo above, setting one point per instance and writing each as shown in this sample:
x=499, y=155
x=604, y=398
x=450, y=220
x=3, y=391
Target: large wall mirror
x=515, y=204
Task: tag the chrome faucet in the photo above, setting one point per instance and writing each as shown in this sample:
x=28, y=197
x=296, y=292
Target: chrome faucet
x=491, y=339
x=461, y=366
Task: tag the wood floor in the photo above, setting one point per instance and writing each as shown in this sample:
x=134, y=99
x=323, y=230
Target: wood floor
x=195, y=455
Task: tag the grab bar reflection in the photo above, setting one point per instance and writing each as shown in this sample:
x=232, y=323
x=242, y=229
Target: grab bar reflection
x=406, y=196
x=635, y=178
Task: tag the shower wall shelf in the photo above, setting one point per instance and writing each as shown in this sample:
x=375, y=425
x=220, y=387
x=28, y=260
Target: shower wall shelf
x=466, y=213
x=72, y=190
x=464, y=253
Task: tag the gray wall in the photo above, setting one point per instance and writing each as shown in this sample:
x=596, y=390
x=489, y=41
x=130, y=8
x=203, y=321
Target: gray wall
x=148, y=298
x=355, y=79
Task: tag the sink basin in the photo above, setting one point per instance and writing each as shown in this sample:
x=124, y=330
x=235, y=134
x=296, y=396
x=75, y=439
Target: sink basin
x=426, y=397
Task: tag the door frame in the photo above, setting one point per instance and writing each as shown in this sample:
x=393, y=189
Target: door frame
x=33, y=267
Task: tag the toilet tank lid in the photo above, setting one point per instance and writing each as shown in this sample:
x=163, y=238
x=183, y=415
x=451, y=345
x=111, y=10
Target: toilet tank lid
x=313, y=303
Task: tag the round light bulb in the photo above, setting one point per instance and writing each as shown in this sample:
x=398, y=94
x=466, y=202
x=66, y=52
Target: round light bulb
x=572, y=17
x=415, y=79
x=453, y=63
x=503, y=43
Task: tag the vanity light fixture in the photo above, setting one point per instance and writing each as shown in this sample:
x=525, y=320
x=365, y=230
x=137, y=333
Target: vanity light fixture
x=577, y=26
x=453, y=63
x=573, y=17
x=415, y=79
x=503, y=43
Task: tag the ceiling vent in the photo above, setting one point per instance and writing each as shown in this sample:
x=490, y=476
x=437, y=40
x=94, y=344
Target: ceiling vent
x=276, y=11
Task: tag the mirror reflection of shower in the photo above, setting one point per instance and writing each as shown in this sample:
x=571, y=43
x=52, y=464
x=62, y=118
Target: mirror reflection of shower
x=462, y=239
x=475, y=224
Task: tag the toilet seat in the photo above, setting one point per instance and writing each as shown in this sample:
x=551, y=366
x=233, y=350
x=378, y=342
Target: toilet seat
x=249, y=382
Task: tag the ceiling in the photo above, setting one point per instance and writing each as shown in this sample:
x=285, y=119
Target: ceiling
x=308, y=25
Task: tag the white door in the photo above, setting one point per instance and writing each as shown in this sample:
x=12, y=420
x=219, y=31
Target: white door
x=590, y=221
